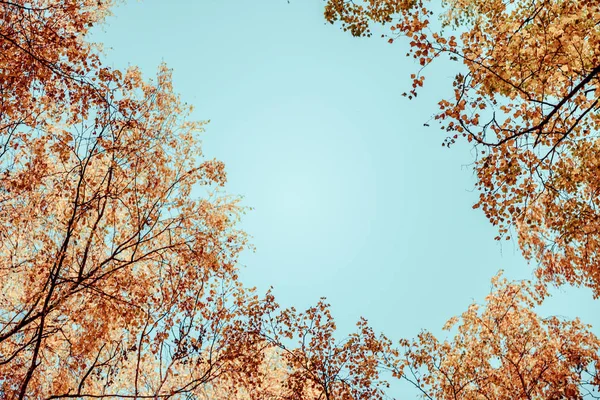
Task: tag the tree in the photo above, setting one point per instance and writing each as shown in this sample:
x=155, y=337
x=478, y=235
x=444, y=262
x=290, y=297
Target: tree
x=110, y=269
x=117, y=280
x=320, y=366
x=305, y=359
x=45, y=60
x=504, y=350
x=528, y=97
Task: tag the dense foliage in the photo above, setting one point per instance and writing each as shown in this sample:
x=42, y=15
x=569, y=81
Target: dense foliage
x=116, y=281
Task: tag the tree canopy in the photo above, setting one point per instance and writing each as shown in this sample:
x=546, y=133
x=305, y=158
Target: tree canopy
x=118, y=281
x=527, y=96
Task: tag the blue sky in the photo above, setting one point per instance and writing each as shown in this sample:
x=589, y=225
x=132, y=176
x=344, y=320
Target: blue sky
x=353, y=198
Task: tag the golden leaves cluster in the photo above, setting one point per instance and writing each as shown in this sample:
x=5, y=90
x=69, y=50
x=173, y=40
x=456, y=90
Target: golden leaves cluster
x=505, y=351
x=528, y=97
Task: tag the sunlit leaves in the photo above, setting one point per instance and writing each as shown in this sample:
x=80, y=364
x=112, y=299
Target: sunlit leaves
x=528, y=98
x=504, y=350
x=118, y=249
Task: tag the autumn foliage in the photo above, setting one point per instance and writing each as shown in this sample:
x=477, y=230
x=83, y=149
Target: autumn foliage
x=504, y=350
x=118, y=280
x=115, y=281
x=118, y=252
x=526, y=95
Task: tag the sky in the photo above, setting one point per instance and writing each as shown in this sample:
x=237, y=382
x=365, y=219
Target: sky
x=352, y=197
